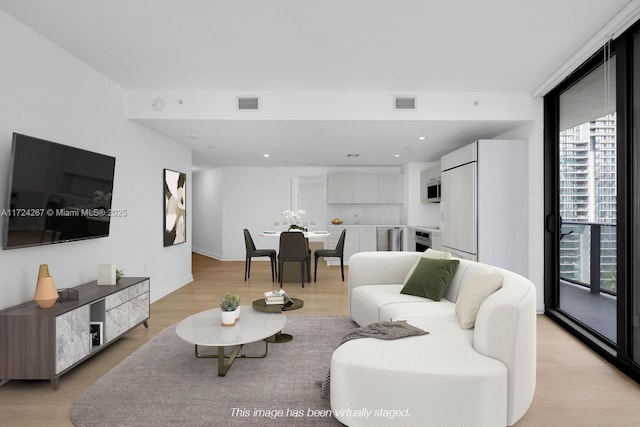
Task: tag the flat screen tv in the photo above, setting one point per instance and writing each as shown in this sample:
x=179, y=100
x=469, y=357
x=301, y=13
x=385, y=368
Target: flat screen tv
x=56, y=193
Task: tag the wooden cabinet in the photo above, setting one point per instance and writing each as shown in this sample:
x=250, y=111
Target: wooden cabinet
x=73, y=340
x=40, y=343
x=365, y=188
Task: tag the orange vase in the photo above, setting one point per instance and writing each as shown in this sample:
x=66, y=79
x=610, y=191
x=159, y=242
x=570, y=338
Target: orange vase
x=46, y=293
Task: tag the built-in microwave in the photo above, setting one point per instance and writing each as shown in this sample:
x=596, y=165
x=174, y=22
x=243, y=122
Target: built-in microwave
x=433, y=190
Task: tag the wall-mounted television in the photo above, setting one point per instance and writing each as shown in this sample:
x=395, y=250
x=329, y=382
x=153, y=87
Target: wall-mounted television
x=57, y=193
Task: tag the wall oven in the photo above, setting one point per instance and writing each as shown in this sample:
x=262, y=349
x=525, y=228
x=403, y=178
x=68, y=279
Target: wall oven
x=423, y=241
x=433, y=190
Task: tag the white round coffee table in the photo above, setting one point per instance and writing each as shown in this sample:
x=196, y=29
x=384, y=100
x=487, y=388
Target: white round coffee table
x=205, y=329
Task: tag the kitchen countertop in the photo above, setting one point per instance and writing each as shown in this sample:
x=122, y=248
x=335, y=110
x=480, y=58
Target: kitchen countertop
x=428, y=228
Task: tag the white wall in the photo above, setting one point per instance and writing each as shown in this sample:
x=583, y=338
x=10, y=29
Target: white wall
x=49, y=94
x=207, y=213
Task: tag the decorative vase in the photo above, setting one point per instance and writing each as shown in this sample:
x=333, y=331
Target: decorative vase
x=46, y=293
x=228, y=318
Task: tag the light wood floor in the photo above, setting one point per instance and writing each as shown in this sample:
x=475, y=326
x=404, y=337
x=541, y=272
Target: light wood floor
x=575, y=386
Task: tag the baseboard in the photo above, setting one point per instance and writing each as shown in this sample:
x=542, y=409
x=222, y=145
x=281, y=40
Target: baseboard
x=207, y=254
x=157, y=294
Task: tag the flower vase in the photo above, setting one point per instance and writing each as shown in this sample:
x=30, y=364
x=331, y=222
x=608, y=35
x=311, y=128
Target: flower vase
x=228, y=318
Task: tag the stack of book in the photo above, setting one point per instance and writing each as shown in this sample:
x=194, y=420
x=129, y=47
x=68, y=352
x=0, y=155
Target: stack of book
x=274, y=297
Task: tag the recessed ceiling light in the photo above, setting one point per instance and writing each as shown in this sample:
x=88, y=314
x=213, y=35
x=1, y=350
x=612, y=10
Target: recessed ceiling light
x=265, y=156
x=422, y=138
x=396, y=155
x=193, y=136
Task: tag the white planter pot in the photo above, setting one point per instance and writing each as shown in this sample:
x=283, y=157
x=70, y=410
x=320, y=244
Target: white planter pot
x=228, y=318
x=237, y=314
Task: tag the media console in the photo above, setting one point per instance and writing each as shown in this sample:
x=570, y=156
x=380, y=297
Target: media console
x=38, y=343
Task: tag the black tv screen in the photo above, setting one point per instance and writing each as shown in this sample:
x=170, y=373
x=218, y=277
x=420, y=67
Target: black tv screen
x=56, y=193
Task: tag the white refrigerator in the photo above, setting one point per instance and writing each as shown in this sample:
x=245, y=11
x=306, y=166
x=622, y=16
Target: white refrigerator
x=485, y=203
x=459, y=225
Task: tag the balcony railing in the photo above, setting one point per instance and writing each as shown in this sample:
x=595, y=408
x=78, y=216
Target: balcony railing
x=588, y=255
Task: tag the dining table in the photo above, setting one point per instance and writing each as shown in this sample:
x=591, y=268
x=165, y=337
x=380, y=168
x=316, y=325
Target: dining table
x=316, y=239
x=312, y=236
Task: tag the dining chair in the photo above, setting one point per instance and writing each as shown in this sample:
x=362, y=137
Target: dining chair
x=253, y=252
x=294, y=247
x=338, y=252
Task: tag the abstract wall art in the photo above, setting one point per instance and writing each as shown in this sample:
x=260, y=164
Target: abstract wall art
x=175, y=207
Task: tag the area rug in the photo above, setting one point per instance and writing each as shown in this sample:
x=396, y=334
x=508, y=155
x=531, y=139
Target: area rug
x=164, y=384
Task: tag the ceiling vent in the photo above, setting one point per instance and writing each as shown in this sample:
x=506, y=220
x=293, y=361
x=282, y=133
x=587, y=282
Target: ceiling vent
x=404, y=102
x=248, y=103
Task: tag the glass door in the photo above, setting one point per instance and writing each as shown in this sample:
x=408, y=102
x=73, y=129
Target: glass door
x=592, y=203
x=587, y=189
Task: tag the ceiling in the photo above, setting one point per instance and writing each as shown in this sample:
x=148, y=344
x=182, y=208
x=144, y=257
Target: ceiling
x=254, y=46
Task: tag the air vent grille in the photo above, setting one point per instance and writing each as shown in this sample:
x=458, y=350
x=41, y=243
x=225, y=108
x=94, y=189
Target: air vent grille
x=247, y=103
x=405, y=103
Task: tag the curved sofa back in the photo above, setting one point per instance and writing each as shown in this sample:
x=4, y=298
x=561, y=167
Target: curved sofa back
x=505, y=327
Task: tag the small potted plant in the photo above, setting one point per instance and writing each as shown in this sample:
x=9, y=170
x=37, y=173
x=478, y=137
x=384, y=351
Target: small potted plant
x=235, y=298
x=229, y=308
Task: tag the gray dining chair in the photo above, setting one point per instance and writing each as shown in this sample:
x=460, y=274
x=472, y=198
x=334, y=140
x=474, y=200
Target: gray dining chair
x=294, y=247
x=338, y=252
x=253, y=252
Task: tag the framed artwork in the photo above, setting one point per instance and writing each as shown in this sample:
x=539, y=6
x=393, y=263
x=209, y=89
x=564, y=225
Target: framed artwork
x=175, y=207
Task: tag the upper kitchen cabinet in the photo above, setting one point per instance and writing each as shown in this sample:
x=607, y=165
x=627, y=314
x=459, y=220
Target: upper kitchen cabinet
x=365, y=188
x=340, y=188
x=390, y=188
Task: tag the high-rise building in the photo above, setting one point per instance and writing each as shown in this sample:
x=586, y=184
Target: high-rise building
x=588, y=198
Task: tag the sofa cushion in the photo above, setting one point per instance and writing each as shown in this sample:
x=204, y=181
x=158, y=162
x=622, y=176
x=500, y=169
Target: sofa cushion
x=366, y=301
x=423, y=309
x=429, y=253
x=431, y=278
x=473, y=294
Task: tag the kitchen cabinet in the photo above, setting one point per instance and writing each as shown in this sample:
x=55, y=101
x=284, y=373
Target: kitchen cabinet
x=340, y=188
x=391, y=188
x=365, y=188
x=357, y=239
x=436, y=241
x=485, y=203
x=367, y=239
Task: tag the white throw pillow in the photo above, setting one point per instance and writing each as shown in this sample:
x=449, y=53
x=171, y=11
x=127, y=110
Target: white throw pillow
x=473, y=294
x=429, y=253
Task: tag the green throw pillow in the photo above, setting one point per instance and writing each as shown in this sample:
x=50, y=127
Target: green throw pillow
x=430, y=278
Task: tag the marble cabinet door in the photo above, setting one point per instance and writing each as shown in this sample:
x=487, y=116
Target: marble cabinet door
x=73, y=338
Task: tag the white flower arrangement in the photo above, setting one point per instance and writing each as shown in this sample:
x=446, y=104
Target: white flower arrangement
x=294, y=217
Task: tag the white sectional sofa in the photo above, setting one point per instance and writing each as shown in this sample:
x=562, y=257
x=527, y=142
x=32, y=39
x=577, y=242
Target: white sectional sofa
x=484, y=376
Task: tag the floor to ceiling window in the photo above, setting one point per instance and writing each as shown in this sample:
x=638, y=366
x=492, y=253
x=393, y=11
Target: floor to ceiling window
x=587, y=200
x=592, y=202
